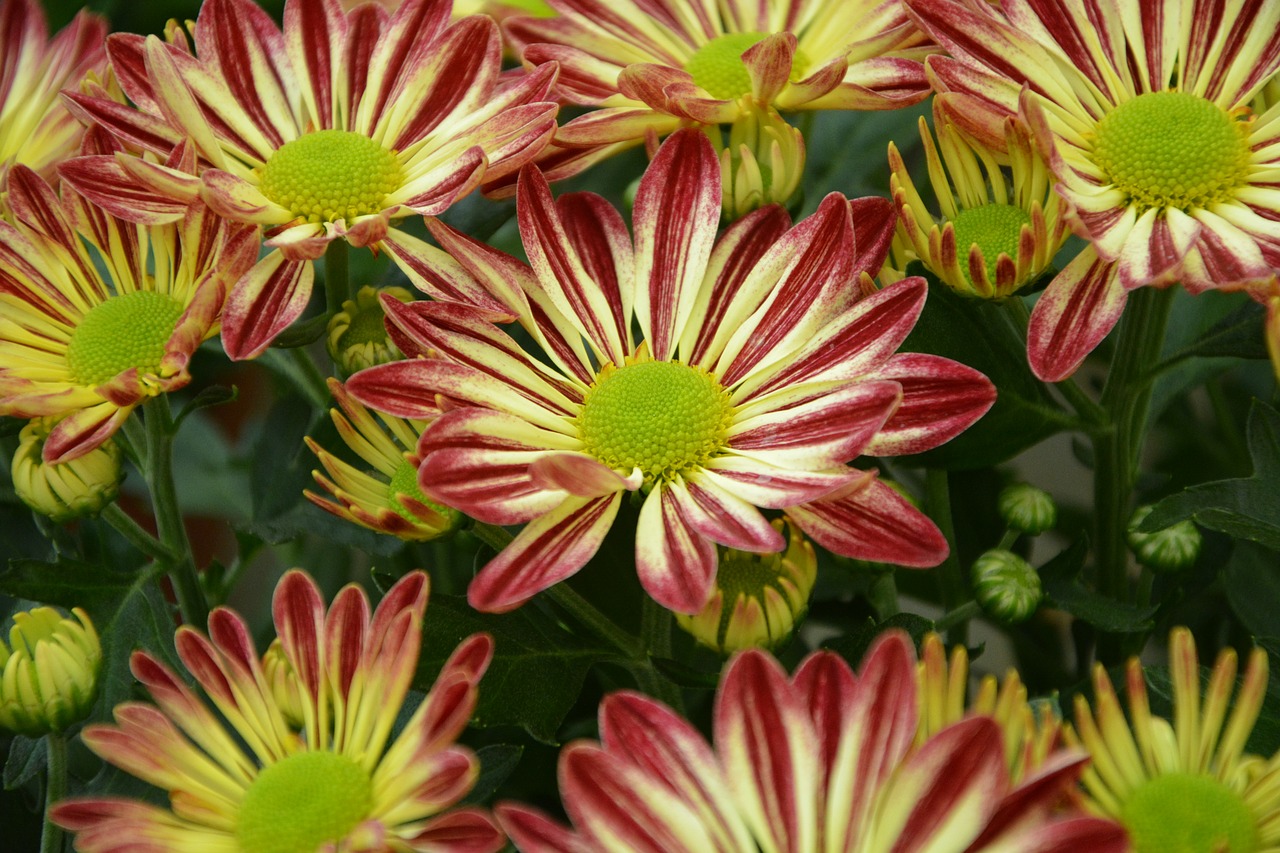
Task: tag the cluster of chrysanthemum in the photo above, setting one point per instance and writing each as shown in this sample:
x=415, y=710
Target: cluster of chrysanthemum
x=303, y=748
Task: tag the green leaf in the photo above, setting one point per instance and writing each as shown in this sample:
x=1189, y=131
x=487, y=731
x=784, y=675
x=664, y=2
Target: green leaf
x=1245, y=507
x=27, y=759
x=497, y=762
x=982, y=334
x=281, y=462
x=306, y=518
x=537, y=670
x=852, y=646
x=1251, y=578
x=1064, y=590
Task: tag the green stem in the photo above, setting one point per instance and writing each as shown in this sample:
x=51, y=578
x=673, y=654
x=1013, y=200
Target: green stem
x=336, y=275
x=1126, y=398
x=136, y=536
x=1007, y=540
x=883, y=595
x=954, y=585
x=958, y=616
x=164, y=496
x=55, y=790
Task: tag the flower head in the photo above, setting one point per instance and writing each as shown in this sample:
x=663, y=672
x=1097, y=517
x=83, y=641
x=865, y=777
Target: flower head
x=998, y=232
x=66, y=491
x=36, y=129
x=244, y=778
x=50, y=671
x=1189, y=785
x=333, y=129
x=821, y=760
x=759, y=376
x=100, y=314
x=387, y=498
x=1141, y=111
x=653, y=68
x=357, y=337
x=758, y=598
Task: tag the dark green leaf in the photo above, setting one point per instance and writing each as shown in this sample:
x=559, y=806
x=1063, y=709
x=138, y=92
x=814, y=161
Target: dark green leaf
x=1245, y=507
x=853, y=645
x=281, y=461
x=1064, y=590
x=497, y=762
x=27, y=759
x=1251, y=578
x=1240, y=334
x=537, y=670
x=302, y=332
x=306, y=518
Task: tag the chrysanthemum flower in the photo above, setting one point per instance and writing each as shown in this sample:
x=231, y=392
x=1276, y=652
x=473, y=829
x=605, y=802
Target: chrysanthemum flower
x=654, y=67
x=1141, y=110
x=997, y=231
x=98, y=314
x=70, y=490
x=241, y=778
x=331, y=130
x=1031, y=734
x=387, y=498
x=48, y=671
x=819, y=761
x=759, y=377
x=1189, y=785
x=36, y=129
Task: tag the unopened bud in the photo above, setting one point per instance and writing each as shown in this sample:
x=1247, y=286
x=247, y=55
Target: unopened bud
x=68, y=490
x=1006, y=586
x=1169, y=550
x=1027, y=509
x=50, y=667
x=357, y=334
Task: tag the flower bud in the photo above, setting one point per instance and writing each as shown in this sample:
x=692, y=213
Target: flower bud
x=69, y=490
x=1169, y=550
x=283, y=682
x=758, y=598
x=357, y=335
x=762, y=164
x=50, y=667
x=1006, y=586
x=1027, y=509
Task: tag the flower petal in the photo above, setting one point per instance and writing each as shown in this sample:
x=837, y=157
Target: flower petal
x=872, y=523
x=1075, y=312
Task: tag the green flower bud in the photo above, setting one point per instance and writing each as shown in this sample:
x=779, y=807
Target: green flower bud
x=1027, y=509
x=758, y=598
x=357, y=335
x=1006, y=586
x=1169, y=550
x=50, y=667
x=762, y=163
x=70, y=490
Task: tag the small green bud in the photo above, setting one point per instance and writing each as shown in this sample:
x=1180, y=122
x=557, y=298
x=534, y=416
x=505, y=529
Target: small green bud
x=50, y=667
x=357, y=335
x=69, y=490
x=1027, y=509
x=1169, y=550
x=1006, y=586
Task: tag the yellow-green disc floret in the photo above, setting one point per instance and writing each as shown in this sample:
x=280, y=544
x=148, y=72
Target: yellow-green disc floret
x=995, y=228
x=1184, y=813
x=126, y=331
x=405, y=482
x=1172, y=149
x=303, y=802
x=718, y=67
x=662, y=417
x=330, y=175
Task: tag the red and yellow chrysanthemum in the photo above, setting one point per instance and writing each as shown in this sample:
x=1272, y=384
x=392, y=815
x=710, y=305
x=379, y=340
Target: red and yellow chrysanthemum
x=330, y=130
x=761, y=373
x=36, y=129
x=1142, y=112
x=822, y=760
x=98, y=314
x=652, y=67
x=241, y=777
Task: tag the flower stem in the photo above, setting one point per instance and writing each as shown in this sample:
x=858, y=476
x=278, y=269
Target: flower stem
x=137, y=537
x=954, y=585
x=164, y=496
x=55, y=790
x=336, y=275
x=959, y=616
x=590, y=617
x=1126, y=398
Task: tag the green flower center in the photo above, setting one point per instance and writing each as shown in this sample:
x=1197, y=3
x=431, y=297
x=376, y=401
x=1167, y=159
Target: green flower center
x=1172, y=149
x=405, y=482
x=662, y=417
x=307, y=800
x=995, y=228
x=1183, y=813
x=718, y=66
x=129, y=330
x=330, y=175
